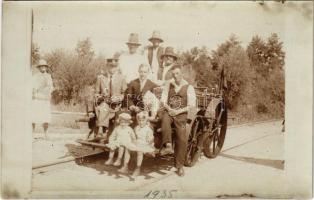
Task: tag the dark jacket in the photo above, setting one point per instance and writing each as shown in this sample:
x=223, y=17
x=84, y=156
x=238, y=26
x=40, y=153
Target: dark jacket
x=134, y=94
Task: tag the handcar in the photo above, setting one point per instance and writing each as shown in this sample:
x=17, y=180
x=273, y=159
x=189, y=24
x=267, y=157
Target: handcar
x=207, y=125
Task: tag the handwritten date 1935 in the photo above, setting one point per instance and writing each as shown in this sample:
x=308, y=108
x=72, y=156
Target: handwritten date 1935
x=160, y=194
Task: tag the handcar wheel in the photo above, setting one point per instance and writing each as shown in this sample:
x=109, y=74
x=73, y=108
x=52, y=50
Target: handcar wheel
x=214, y=142
x=193, y=153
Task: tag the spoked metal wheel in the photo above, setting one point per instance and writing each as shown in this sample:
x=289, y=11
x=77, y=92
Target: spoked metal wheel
x=193, y=152
x=215, y=140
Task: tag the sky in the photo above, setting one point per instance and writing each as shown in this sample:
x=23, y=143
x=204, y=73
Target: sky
x=183, y=25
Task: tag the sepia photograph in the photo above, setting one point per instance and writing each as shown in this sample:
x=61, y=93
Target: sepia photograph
x=157, y=100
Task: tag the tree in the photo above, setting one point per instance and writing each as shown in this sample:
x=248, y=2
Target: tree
x=274, y=54
x=84, y=50
x=267, y=60
x=198, y=60
x=232, y=57
x=73, y=72
x=257, y=51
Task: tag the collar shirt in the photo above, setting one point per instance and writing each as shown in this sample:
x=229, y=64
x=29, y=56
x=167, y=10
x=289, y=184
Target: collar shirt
x=191, y=95
x=165, y=70
x=155, y=64
x=142, y=83
x=129, y=65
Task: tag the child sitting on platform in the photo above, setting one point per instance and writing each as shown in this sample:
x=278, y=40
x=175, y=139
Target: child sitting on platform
x=144, y=139
x=122, y=139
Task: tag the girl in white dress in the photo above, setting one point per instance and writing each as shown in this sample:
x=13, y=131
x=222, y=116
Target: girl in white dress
x=144, y=140
x=122, y=139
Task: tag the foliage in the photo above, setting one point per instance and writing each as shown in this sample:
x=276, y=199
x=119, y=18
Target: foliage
x=267, y=59
x=35, y=54
x=255, y=74
x=74, y=71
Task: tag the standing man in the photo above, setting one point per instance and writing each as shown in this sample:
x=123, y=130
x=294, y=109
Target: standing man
x=109, y=93
x=169, y=58
x=154, y=53
x=130, y=61
x=178, y=98
x=42, y=89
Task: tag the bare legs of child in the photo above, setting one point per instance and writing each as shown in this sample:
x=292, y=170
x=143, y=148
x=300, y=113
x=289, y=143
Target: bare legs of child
x=139, y=161
x=117, y=163
x=125, y=168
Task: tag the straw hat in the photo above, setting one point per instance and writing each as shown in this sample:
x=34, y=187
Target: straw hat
x=169, y=51
x=156, y=36
x=42, y=63
x=133, y=39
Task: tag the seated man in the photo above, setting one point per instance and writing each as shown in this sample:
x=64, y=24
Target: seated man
x=109, y=91
x=138, y=89
x=178, y=97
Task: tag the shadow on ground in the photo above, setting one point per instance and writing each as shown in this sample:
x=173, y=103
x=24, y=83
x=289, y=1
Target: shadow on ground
x=157, y=165
x=278, y=164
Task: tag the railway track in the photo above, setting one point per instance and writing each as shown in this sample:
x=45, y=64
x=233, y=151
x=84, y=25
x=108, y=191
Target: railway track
x=101, y=148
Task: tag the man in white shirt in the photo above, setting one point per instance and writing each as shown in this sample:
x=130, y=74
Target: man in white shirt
x=153, y=54
x=178, y=98
x=129, y=62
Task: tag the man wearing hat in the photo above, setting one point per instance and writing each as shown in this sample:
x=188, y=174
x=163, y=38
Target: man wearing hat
x=42, y=88
x=169, y=58
x=129, y=62
x=109, y=91
x=154, y=53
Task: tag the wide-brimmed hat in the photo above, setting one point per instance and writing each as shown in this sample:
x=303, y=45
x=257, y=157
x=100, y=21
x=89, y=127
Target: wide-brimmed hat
x=156, y=36
x=169, y=51
x=133, y=39
x=42, y=63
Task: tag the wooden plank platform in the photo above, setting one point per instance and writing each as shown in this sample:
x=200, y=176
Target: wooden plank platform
x=93, y=143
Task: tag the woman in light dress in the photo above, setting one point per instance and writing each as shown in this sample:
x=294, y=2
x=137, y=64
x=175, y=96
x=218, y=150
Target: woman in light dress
x=42, y=89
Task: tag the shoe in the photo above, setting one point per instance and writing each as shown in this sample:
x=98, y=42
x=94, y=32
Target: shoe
x=117, y=163
x=136, y=172
x=166, y=151
x=109, y=162
x=180, y=171
x=124, y=169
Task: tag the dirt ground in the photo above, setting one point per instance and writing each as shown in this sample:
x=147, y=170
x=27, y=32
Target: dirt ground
x=252, y=157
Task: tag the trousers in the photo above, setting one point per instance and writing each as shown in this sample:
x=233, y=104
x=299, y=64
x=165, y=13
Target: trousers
x=181, y=136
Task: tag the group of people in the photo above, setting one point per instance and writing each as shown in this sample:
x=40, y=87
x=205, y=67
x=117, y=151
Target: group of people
x=126, y=100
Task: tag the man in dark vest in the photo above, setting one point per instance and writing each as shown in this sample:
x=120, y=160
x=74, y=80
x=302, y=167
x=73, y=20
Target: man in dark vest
x=154, y=53
x=169, y=59
x=178, y=98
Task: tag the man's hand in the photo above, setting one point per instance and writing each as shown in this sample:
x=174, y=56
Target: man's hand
x=135, y=108
x=116, y=98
